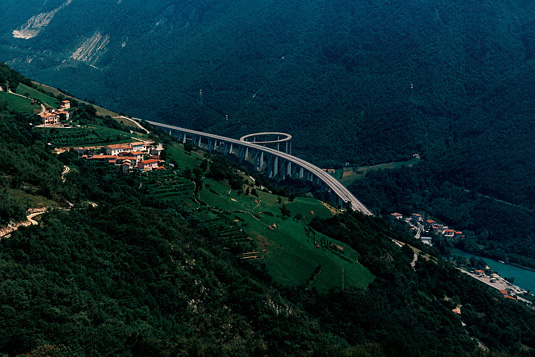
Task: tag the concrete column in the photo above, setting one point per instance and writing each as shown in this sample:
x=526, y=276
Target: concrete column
x=261, y=159
x=256, y=160
x=289, y=168
x=271, y=166
x=301, y=173
x=284, y=169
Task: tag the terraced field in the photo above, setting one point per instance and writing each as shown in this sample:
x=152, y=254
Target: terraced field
x=294, y=253
x=94, y=135
x=166, y=184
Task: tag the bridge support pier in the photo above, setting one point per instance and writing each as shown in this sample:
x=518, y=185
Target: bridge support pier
x=210, y=145
x=275, y=166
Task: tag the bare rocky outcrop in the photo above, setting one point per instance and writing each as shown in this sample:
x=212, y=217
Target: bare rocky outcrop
x=91, y=50
x=37, y=23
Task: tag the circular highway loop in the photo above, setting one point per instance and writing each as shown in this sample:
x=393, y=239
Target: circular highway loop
x=286, y=137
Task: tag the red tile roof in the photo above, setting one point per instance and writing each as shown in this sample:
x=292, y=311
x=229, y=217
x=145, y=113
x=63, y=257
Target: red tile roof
x=101, y=157
x=125, y=158
x=119, y=146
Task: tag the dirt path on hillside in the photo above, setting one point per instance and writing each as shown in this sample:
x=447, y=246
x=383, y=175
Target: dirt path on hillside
x=33, y=212
x=133, y=121
x=66, y=170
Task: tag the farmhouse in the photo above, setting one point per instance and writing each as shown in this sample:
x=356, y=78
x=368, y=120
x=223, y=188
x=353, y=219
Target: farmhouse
x=396, y=215
x=65, y=104
x=148, y=165
x=115, y=149
x=449, y=233
x=417, y=217
x=136, y=146
x=49, y=118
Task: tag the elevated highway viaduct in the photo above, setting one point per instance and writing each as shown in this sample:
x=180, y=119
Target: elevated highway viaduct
x=278, y=162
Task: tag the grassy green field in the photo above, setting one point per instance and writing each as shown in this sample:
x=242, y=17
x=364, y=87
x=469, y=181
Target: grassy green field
x=19, y=104
x=291, y=250
x=176, y=151
x=351, y=175
x=35, y=94
x=291, y=255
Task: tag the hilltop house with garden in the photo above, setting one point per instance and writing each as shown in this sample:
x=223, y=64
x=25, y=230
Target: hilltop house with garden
x=48, y=118
x=54, y=117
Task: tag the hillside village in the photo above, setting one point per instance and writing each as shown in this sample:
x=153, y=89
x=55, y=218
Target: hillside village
x=419, y=226
x=145, y=156
x=142, y=155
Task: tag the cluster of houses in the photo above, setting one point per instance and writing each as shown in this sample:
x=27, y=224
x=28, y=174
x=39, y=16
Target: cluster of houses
x=144, y=156
x=420, y=225
x=54, y=117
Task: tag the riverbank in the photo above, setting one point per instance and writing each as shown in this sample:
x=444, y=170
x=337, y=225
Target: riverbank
x=507, y=289
x=524, y=278
x=491, y=277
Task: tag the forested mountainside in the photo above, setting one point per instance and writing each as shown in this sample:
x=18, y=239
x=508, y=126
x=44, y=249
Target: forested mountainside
x=353, y=81
x=116, y=266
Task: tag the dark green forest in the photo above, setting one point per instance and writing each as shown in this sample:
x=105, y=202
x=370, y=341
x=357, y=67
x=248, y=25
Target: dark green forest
x=134, y=275
x=354, y=82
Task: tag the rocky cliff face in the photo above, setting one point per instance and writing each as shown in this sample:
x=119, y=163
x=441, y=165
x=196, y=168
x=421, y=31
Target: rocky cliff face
x=37, y=23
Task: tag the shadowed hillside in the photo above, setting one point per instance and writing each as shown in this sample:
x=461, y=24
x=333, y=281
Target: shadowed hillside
x=354, y=82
